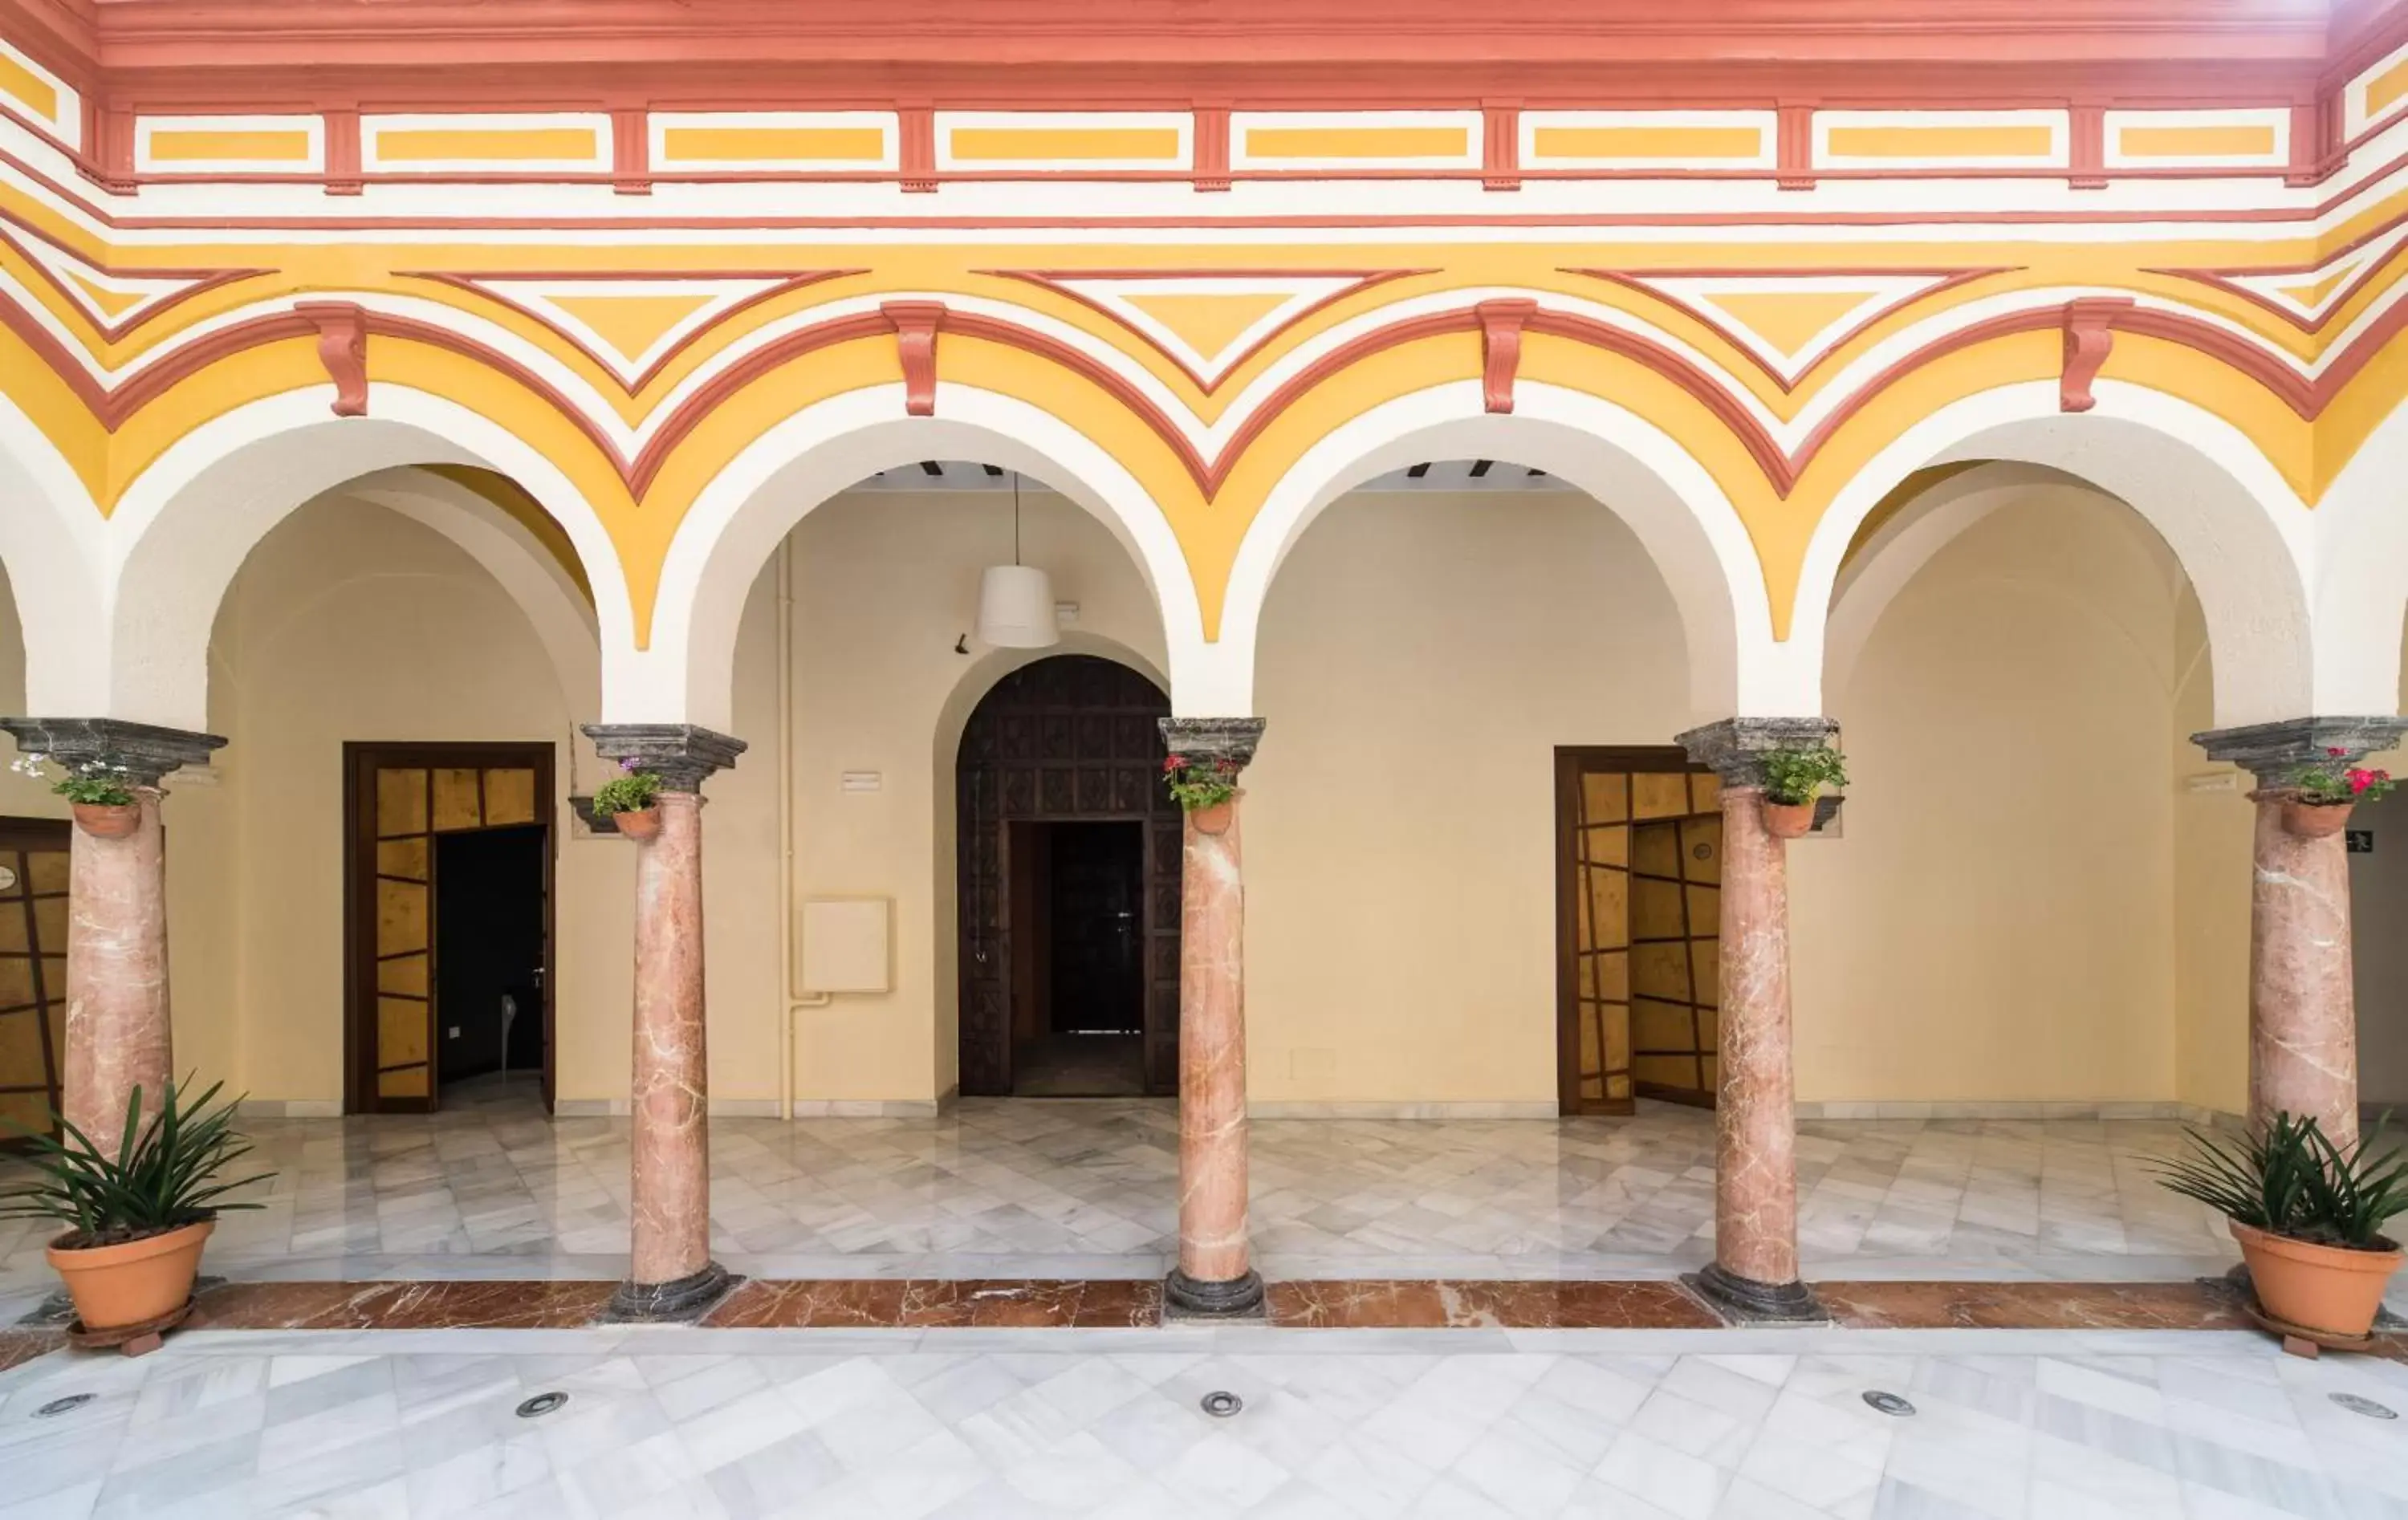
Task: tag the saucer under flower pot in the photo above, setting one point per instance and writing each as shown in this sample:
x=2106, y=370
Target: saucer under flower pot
x=107, y=820
x=2314, y=820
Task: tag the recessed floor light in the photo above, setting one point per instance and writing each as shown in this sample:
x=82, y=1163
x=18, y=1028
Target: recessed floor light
x=542, y=1403
x=60, y=1406
x=2357, y=1404
x=1888, y=1403
x=1221, y=1403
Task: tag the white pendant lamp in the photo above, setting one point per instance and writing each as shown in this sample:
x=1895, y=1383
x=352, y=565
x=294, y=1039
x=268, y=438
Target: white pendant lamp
x=1016, y=606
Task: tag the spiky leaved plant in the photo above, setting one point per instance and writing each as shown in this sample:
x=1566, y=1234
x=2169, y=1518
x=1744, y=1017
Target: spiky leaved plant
x=162, y=1176
x=2286, y=1177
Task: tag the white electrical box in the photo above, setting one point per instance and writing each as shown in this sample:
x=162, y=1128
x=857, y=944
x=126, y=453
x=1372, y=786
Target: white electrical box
x=845, y=945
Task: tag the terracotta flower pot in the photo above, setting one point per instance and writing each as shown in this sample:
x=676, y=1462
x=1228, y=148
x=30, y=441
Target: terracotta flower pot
x=1214, y=819
x=107, y=820
x=643, y=823
x=2318, y=1287
x=118, y=1286
x=2314, y=819
x=1788, y=820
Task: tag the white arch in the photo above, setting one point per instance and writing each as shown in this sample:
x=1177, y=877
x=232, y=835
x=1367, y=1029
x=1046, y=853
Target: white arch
x=687, y=674
x=184, y=526
x=51, y=548
x=2361, y=593
x=2240, y=531
x=1638, y=471
x=564, y=620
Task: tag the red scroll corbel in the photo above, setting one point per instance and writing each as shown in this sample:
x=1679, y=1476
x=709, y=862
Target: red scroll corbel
x=343, y=349
x=2089, y=335
x=915, y=325
x=1500, y=348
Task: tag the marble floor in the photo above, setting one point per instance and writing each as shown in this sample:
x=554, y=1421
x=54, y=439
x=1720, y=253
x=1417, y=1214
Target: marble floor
x=969, y=1425
x=1021, y=1188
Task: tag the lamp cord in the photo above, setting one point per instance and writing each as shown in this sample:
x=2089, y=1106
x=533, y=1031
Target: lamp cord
x=1015, y=517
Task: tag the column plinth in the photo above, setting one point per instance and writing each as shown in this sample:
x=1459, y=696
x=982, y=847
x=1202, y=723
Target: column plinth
x=1215, y=1275
x=118, y=1025
x=2302, y=1004
x=1754, y=1270
x=670, y=1273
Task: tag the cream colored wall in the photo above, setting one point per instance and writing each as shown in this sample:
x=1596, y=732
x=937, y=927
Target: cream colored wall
x=1997, y=922
x=2002, y=920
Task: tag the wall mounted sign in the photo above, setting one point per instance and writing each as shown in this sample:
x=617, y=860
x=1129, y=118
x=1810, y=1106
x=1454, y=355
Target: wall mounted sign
x=2361, y=841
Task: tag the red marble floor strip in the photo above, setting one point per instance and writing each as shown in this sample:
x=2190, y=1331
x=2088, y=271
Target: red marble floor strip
x=511, y=1305
x=1468, y=1304
x=18, y=1347
x=871, y=1303
x=2035, y=1306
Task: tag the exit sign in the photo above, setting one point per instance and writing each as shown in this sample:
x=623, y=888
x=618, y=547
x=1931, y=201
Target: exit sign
x=2361, y=841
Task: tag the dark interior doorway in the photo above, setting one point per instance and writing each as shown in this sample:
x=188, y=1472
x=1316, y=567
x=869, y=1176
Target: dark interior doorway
x=1068, y=886
x=489, y=981
x=1079, y=972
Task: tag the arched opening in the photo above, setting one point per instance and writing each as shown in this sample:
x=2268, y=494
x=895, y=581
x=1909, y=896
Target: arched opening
x=1068, y=868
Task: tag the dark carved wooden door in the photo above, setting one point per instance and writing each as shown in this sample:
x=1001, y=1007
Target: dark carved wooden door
x=1069, y=737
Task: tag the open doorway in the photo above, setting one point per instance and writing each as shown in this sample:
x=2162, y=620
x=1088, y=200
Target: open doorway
x=1079, y=970
x=1069, y=858
x=449, y=924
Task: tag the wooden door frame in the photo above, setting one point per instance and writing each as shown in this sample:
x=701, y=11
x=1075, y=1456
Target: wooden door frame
x=362, y=759
x=19, y=833
x=1571, y=760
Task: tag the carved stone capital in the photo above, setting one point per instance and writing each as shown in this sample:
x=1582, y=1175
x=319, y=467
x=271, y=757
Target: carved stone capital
x=1734, y=748
x=1232, y=739
x=2272, y=751
x=681, y=754
x=147, y=750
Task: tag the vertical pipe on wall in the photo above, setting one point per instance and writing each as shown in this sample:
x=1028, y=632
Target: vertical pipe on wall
x=789, y=1000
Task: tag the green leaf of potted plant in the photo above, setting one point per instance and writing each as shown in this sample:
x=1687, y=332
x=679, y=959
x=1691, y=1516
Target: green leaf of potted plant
x=1793, y=779
x=2308, y=1215
x=2317, y=802
x=137, y=1219
x=100, y=793
x=631, y=800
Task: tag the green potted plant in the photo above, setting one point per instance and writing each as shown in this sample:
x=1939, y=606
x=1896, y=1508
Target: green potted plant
x=631, y=800
x=2309, y=1217
x=1202, y=790
x=1793, y=779
x=137, y=1219
x=2318, y=798
x=100, y=793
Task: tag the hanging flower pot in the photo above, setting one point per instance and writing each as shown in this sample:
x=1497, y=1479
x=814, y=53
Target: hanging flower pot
x=107, y=820
x=1788, y=820
x=2314, y=819
x=2317, y=799
x=642, y=823
x=631, y=800
x=1216, y=819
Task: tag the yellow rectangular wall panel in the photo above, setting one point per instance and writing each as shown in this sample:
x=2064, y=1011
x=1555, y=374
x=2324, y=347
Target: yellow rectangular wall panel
x=1647, y=139
x=2377, y=96
x=1355, y=140
x=439, y=144
x=1063, y=139
x=2198, y=139
x=1941, y=139
x=229, y=144
x=39, y=96
x=722, y=140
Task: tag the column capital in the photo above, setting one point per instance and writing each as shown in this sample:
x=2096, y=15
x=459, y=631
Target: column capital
x=2272, y=751
x=1232, y=739
x=147, y=750
x=681, y=754
x=1734, y=748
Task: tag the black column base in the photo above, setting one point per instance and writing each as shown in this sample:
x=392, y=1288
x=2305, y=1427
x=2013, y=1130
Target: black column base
x=1744, y=1300
x=1185, y=1297
x=685, y=1300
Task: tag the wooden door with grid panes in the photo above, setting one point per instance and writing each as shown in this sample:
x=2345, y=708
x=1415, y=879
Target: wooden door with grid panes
x=34, y=868
x=1639, y=837
x=403, y=797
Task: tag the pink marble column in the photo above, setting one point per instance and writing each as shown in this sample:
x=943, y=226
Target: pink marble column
x=2302, y=1003
x=1756, y=1125
x=116, y=1026
x=671, y=1143
x=118, y=1034
x=1215, y=1275
x=670, y=1273
x=1754, y=1271
x=2303, y=1011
